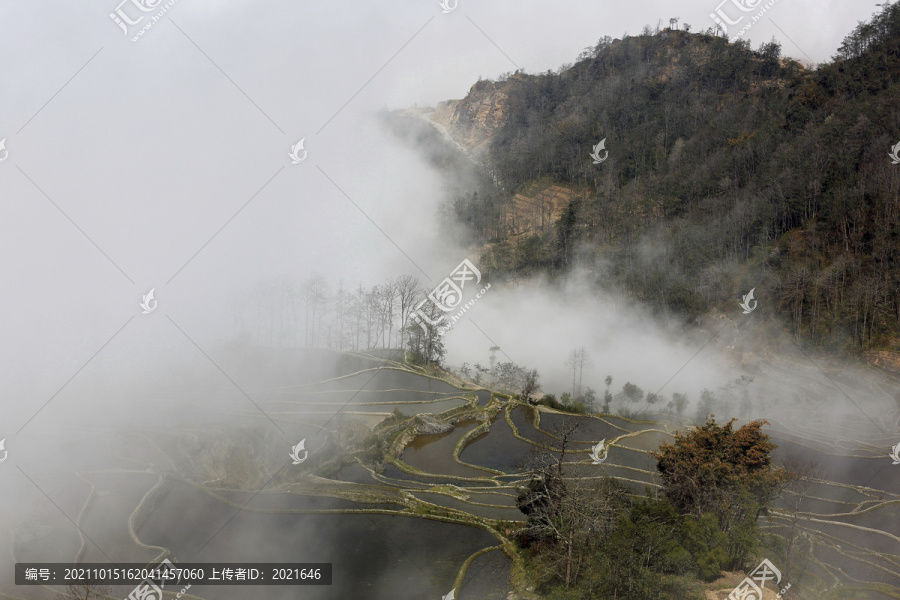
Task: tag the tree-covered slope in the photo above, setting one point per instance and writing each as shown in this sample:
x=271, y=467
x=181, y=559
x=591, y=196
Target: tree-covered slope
x=728, y=168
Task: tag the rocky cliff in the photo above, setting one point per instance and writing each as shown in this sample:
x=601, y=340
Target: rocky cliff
x=471, y=122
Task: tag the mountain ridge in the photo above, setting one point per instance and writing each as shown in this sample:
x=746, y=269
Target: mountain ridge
x=728, y=169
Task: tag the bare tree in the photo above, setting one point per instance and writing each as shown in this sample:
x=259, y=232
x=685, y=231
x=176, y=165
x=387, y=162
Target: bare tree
x=372, y=313
x=388, y=299
x=797, y=498
x=568, y=515
x=530, y=383
x=578, y=359
x=423, y=335
x=493, y=359
x=340, y=308
x=408, y=292
x=314, y=294
x=359, y=312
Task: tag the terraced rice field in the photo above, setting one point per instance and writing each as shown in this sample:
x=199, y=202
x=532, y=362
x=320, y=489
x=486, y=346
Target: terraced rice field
x=405, y=514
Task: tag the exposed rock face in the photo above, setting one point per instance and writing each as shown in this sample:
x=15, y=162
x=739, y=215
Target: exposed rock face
x=536, y=208
x=429, y=425
x=471, y=122
x=889, y=361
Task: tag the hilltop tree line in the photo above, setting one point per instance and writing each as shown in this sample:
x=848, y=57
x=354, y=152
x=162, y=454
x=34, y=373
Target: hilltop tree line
x=312, y=314
x=728, y=168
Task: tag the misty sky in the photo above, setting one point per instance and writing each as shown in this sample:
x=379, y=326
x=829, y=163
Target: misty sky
x=164, y=163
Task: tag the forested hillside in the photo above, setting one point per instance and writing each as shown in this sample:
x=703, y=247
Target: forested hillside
x=728, y=169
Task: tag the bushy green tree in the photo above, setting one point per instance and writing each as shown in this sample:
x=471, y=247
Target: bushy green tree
x=724, y=479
